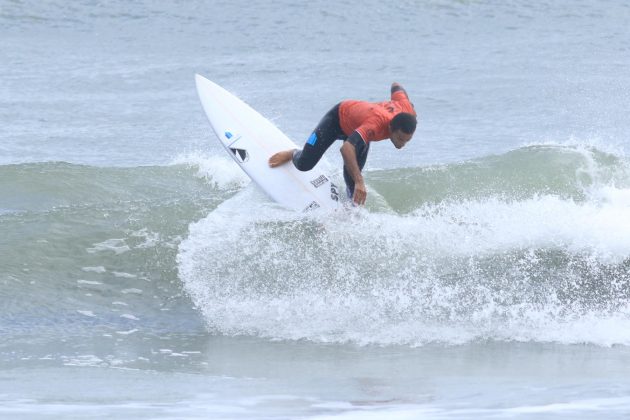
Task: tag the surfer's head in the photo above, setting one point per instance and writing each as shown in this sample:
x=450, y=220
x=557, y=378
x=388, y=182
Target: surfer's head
x=402, y=127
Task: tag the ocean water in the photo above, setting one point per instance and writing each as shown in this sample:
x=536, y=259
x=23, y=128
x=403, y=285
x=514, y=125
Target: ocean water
x=142, y=275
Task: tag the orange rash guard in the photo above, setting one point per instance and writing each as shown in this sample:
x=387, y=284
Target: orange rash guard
x=371, y=119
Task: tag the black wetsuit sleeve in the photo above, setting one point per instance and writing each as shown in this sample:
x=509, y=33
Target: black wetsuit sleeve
x=361, y=148
x=357, y=141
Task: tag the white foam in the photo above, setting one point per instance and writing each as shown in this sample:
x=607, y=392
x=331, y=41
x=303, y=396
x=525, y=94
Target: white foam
x=90, y=282
x=453, y=273
x=220, y=172
x=131, y=291
x=100, y=269
x=128, y=332
x=586, y=405
x=605, y=407
x=601, y=229
x=124, y=275
x=151, y=239
x=83, y=360
x=117, y=246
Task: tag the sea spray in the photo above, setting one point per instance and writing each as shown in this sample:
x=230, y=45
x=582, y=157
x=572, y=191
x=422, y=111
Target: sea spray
x=496, y=265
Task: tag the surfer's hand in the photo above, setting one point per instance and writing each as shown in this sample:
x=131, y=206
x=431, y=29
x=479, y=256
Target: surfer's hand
x=360, y=193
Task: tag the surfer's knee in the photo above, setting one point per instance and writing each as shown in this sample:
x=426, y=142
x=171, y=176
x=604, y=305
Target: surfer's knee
x=302, y=164
x=303, y=167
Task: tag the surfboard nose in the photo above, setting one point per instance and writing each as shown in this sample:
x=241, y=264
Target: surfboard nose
x=199, y=79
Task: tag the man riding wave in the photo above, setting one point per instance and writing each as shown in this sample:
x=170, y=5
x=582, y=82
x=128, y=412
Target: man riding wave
x=357, y=123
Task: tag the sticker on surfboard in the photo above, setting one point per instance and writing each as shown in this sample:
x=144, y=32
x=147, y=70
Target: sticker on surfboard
x=240, y=154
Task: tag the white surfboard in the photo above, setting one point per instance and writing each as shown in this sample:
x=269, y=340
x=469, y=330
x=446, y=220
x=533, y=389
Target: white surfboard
x=251, y=139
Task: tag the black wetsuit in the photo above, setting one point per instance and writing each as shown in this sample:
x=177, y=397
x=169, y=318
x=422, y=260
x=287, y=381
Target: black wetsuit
x=325, y=134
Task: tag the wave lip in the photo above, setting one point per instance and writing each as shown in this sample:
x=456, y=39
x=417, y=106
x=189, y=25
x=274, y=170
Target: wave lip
x=50, y=185
x=569, y=171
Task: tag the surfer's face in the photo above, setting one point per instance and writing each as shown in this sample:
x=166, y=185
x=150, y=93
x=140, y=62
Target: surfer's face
x=400, y=138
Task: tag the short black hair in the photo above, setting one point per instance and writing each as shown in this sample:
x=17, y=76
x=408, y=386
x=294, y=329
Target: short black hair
x=404, y=121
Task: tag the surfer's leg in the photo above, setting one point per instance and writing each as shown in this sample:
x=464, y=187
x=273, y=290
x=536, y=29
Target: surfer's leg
x=361, y=158
x=327, y=131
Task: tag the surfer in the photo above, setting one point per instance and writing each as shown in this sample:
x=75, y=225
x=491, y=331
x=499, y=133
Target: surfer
x=357, y=123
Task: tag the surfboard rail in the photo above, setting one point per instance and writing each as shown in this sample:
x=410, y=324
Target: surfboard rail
x=250, y=139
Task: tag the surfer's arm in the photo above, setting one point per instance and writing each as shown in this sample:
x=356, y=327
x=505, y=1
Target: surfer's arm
x=349, y=154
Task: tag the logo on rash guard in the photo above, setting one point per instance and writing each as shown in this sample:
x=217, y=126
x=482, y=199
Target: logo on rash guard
x=228, y=135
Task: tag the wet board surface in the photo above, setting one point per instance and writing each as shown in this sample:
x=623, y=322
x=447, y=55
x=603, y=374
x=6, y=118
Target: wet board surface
x=250, y=139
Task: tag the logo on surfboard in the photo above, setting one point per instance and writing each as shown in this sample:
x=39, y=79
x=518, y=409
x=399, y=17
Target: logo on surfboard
x=314, y=205
x=240, y=154
x=232, y=138
x=334, y=193
x=319, y=181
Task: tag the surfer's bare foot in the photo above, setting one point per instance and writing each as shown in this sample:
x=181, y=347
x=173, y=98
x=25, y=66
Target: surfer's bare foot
x=280, y=158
